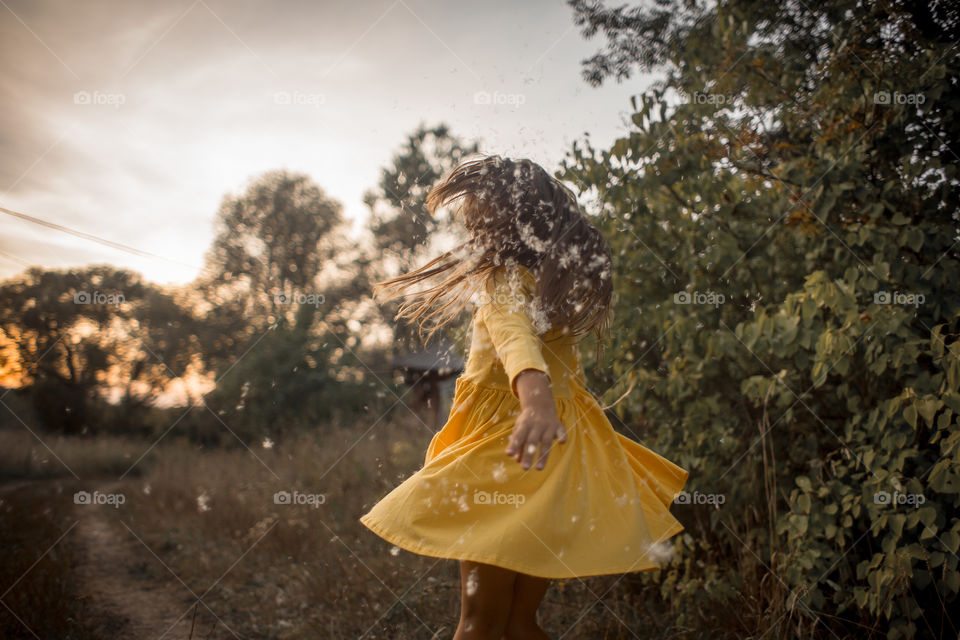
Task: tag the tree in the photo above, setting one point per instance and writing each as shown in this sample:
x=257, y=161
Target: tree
x=292, y=380
x=271, y=244
x=402, y=228
x=399, y=221
x=783, y=215
x=80, y=336
x=283, y=293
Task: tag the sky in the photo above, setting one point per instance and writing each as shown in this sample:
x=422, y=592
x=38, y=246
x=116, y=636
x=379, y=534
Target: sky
x=131, y=120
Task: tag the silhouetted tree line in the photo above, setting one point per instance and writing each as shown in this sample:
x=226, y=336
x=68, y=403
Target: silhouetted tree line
x=280, y=319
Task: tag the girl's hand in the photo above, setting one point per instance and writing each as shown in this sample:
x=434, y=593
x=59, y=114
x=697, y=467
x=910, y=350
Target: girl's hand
x=537, y=424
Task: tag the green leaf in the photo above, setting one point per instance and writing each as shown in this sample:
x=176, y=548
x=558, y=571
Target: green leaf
x=915, y=238
x=899, y=219
x=928, y=407
x=910, y=415
x=952, y=580
x=896, y=523
x=951, y=540
x=928, y=515
x=860, y=596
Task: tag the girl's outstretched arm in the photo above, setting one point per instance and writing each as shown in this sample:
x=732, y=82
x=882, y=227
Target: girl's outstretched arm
x=537, y=423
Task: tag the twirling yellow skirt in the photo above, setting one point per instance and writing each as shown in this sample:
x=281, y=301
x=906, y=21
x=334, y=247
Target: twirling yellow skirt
x=599, y=506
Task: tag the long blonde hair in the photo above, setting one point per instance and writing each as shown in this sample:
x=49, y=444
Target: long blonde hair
x=515, y=214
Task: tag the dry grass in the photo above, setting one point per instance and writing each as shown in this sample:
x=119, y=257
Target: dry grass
x=40, y=596
x=32, y=455
x=294, y=571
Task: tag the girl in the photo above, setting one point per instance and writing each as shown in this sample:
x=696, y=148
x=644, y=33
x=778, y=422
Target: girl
x=495, y=492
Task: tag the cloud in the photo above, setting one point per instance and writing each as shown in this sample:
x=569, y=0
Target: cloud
x=132, y=120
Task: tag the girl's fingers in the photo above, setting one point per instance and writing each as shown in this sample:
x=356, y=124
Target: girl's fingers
x=547, y=443
x=529, y=449
x=544, y=452
x=515, y=450
x=516, y=439
x=524, y=443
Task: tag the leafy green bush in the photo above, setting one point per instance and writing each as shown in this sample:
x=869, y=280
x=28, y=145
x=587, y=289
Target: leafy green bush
x=783, y=215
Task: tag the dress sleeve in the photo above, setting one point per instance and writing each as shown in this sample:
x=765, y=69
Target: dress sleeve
x=505, y=312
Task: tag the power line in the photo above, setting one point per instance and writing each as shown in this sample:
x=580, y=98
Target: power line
x=88, y=236
x=14, y=258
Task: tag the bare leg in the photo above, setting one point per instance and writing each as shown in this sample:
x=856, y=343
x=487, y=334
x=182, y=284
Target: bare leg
x=485, y=595
x=528, y=591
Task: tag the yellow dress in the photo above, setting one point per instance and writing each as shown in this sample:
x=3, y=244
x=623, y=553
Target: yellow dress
x=599, y=506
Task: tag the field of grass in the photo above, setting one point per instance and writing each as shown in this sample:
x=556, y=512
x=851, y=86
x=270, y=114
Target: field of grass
x=285, y=571
x=40, y=596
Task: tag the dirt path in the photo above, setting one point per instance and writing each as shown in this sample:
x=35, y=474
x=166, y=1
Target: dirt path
x=115, y=572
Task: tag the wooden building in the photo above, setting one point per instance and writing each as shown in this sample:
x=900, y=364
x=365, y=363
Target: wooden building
x=431, y=372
